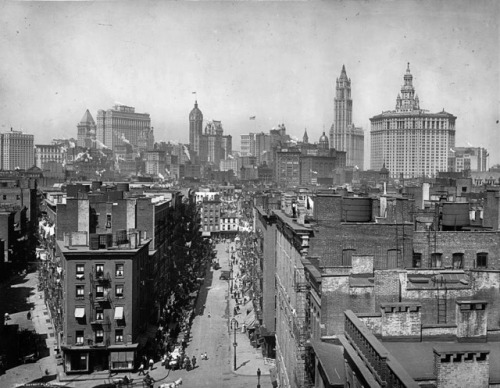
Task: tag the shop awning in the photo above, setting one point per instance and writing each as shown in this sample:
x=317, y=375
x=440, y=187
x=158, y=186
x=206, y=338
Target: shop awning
x=119, y=312
x=250, y=319
x=79, y=312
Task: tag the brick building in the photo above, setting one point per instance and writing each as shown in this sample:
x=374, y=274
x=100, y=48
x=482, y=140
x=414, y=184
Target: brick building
x=104, y=300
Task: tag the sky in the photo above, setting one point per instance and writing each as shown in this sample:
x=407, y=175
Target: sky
x=277, y=61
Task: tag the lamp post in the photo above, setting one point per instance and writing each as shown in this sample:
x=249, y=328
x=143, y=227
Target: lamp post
x=258, y=378
x=234, y=326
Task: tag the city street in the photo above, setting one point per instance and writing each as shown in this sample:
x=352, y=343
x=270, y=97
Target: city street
x=210, y=333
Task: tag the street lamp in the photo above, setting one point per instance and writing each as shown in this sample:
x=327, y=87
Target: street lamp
x=234, y=326
x=258, y=378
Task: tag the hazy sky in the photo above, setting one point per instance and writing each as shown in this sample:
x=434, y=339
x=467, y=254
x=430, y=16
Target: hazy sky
x=277, y=61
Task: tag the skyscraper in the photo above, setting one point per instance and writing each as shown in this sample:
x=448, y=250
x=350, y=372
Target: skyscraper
x=122, y=125
x=410, y=141
x=18, y=150
x=195, y=128
x=344, y=136
x=86, y=131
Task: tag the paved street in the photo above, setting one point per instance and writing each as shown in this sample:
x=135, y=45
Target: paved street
x=209, y=334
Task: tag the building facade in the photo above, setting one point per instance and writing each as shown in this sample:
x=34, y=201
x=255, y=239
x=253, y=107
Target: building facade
x=468, y=159
x=102, y=289
x=344, y=135
x=86, y=134
x=195, y=128
x=49, y=153
x=411, y=142
x=17, y=150
x=122, y=125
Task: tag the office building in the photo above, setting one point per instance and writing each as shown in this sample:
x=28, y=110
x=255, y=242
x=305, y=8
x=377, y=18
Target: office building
x=195, y=128
x=344, y=135
x=121, y=125
x=409, y=140
x=17, y=150
x=468, y=159
x=86, y=131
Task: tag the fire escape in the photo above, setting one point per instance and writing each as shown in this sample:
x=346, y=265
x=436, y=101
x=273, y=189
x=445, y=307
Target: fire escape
x=300, y=325
x=100, y=301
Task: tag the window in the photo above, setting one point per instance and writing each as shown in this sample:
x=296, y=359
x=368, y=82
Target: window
x=482, y=260
x=436, y=260
x=99, y=291
x=79, y=337
x=347, y=257
x=119, y=290
x=417, y=260
x=118, y=335
x=119, y=270
x=99, y=336
x=99, y=314
x=99, y=270
x=458, y=260
x=80, y=291
x=108, y=221
x=80, y=271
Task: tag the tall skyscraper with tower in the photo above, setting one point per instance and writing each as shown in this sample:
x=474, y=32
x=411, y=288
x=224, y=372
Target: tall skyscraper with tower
x=195, y=128
x=344, y=136
x=410, y=141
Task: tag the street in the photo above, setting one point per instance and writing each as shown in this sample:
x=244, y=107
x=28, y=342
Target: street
x=209, y=333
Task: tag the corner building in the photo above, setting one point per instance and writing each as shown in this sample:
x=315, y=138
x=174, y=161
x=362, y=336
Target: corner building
x=409, y=140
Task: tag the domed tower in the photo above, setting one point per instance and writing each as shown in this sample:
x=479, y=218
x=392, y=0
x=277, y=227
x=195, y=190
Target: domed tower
x=323, y=142
x=195, y=128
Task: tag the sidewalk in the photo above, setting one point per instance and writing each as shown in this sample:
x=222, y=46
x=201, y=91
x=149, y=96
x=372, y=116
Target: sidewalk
x=248, y=358
x=40, y=322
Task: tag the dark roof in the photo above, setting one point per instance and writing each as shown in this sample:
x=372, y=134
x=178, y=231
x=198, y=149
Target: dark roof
x=331, y=358
x=418, y=357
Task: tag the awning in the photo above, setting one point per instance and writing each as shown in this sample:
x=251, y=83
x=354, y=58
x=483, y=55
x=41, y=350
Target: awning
x=79, y=312
x=250, y=319
x=119, y=312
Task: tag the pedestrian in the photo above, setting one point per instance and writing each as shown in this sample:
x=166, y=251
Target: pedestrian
x=193, y=361
x=29, y=316
x=141, y=369
x=151, y=364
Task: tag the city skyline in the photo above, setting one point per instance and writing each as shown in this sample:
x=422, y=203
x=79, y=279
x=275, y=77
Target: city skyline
x=277, y=61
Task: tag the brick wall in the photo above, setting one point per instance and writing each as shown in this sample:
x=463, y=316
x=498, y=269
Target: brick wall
x=365, y=239
x=386, y=286
x=468, y=243
x=362, y=264
x=372, y=322
x=491, y=214
x=327, y=208
x=401, y=320
x=458, y=368
x=485, y=284
x=67, y=217
x=471, y=317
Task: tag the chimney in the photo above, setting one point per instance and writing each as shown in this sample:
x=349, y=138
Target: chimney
x=401, y=321
x=456, y=365
x=472, y=320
